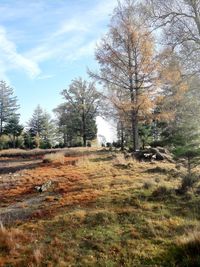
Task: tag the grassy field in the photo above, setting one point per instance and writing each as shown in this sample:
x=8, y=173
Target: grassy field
x=101, y=210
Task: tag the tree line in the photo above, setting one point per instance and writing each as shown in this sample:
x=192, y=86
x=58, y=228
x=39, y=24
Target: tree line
x=74, y=125
x=149, y=85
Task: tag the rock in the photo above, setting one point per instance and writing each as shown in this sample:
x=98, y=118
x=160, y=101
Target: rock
x=162, y=150
x=153, y=154
x=44, y=187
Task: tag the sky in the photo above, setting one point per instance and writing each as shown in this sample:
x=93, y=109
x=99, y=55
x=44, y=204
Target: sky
x=44, y=44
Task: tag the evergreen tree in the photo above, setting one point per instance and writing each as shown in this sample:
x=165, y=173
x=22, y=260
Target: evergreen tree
x=8, y=104
x=13, y=129
x=41, y=129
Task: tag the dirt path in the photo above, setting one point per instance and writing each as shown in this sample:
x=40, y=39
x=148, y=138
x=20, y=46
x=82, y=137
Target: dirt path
x=12, y=165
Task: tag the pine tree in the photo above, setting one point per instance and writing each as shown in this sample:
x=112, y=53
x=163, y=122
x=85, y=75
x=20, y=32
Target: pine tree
x=41, y=128
x=13, y=129
x=8, y=104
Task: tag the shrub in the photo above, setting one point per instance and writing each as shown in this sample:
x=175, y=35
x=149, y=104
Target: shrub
x=147, y=185
x=161, y=192
x=4, y=142
x=89, y=144
x=188, y=181
x=187, y=251
x=11, y=240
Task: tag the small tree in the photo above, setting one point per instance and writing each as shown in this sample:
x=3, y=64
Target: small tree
x=13, y=129
x=145, y=134
x=191, y=155
x=41, y=129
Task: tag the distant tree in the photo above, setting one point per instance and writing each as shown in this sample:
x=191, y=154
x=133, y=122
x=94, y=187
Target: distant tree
x=67, y=124
x=28, y=142
x=80, y=109
x=48, y=134
x=8, y=104
x=36, y=123
x=13, y=129
x=127, y=62
x=41, y=129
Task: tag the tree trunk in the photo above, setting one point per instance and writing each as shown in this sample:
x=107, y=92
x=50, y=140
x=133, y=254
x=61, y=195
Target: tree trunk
x=84, y=140
x=84, y=129
x=14, y=141
x=135, y=131
x=65, y=139
x=189, y=167
x=122, y=137
x=1, y=127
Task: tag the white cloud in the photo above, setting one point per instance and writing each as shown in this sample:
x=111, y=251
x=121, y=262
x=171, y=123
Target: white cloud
x=11, y=59
x=73, y=25
x=45, y=77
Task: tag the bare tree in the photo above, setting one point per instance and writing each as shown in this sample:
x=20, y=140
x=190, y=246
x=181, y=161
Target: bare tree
x=180, y=23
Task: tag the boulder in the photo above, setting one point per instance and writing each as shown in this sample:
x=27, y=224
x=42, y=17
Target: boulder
x=153, y=154
x=44, y=187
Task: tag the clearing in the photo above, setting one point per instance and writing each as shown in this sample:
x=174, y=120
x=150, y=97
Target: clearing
x=100, y=210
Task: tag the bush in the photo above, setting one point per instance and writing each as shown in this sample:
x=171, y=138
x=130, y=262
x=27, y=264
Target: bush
x=147, y=185
x=4, y=142
x=188, y=181
x=161, y=192
x=89, y=144
x=187, y=251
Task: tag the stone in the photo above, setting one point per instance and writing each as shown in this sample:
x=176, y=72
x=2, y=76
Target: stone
x=44, y=187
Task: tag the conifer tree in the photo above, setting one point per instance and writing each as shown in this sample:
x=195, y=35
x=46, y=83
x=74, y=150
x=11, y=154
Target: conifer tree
x=8, y=104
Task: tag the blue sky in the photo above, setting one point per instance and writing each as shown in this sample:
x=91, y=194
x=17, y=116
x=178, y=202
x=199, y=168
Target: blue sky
x=44, y=44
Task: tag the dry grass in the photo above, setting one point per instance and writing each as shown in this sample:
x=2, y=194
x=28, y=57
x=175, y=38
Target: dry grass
x=103, y=210
x=12, y=240
x=54, y=158
x=190, y=243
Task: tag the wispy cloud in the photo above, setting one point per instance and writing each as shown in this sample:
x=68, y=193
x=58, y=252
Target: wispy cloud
x=75, y=37
x=11, y=59
x=63, y=39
